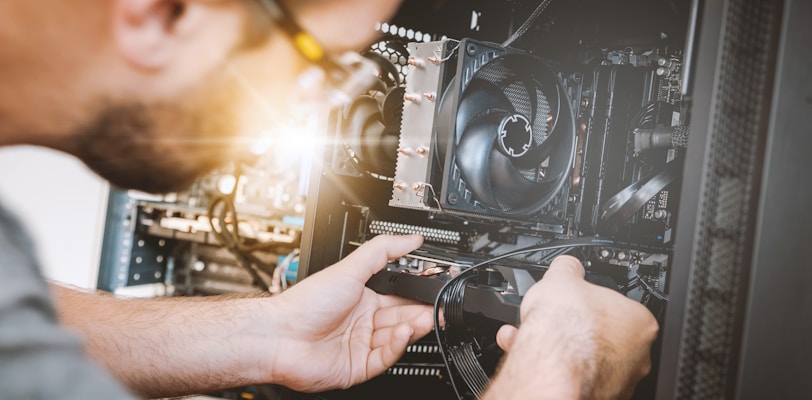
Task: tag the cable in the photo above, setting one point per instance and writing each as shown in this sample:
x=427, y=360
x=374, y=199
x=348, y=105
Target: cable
x=229, y=238
x=470, y=369
x=357, y=163
x=457, y=358
x=622, y=206
x=225, y=224
x=526, y=25
x=647, y=116
x=279, y=282
x=652, y=290
x=440, y=58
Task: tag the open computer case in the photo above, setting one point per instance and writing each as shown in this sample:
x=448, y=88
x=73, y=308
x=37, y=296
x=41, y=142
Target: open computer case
x=665, y=143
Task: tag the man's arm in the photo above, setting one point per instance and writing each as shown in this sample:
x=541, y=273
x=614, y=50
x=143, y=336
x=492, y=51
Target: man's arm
x=577, y=340
x=327, y=332
x=169, y=347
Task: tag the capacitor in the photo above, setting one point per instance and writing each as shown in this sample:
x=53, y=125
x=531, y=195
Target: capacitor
x=663, y=71
x=661, y=214
x=661, y=137
x=665, y=62
x=606, y=253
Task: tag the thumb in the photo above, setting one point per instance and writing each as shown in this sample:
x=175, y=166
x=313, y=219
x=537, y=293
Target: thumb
x=506, y=336
x=373, y=255
x=565, y=267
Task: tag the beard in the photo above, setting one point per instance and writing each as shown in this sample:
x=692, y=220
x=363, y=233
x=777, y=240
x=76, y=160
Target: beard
x=157, y=148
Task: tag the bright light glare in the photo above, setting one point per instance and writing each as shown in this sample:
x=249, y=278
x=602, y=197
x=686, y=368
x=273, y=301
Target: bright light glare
x=288, y=142
x=225, y=184
x=262, y=144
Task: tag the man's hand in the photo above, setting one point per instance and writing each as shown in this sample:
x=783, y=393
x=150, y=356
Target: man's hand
x=577, y=340
x=334, y=332
x=329, y=331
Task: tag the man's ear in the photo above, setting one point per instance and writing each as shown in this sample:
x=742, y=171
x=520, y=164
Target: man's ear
x=144, y=30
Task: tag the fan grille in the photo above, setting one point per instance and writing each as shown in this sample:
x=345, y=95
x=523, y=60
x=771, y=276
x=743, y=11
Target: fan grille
x=395, y=51
x=518, y=94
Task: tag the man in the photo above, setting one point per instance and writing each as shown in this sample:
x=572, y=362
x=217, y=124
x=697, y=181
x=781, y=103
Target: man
x=150, y=93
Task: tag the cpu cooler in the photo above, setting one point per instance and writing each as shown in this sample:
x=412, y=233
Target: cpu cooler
x=503, y=135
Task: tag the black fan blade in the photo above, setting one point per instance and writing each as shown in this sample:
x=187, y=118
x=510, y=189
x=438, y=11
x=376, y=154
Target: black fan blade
x=356, y=116
x=388, y=71
x=366, y=134
x=526, y=72
x=539, y=107
x=510, y=188
x=379, y=148
x=371, y=140
x=480, y=96
x=530, y=87
x=558, y=149
x=474, y=154
x=540, y=153
x=392, y=107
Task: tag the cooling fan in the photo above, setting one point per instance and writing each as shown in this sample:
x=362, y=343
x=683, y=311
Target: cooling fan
x=509, y=130
x=370, y=125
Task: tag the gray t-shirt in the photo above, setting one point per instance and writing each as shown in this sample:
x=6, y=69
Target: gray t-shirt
x=38, y=358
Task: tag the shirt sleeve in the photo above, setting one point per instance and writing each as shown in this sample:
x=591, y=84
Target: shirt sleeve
x=39, y=359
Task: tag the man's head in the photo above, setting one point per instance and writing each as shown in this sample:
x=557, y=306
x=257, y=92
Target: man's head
x=150, y=93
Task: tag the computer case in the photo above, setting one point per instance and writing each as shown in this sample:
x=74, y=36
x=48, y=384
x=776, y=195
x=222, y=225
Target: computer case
x=739, y=305
x=705, y=106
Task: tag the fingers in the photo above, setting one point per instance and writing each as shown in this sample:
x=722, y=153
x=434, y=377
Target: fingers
x=394, y=345
x=395, y=301
x=373, y=255
x=565, y=275
x=506, y=336
x=419, y=320
x=391, y=316
x=565, y=266
x=388, y=342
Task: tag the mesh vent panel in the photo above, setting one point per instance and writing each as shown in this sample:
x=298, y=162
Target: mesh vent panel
x=722, y=252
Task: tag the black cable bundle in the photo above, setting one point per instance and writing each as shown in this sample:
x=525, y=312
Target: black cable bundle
x=457, y=346
x=226, y=230
x=462, y=353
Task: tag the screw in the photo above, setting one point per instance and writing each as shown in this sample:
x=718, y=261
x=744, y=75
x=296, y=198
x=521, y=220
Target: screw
x=412, y=98
x=416, y=62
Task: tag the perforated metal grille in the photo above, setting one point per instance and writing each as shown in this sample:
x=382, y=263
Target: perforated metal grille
x=395, y=51
x=722, y=251
x=394, y=44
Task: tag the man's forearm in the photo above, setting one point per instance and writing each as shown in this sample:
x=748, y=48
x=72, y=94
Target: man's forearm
x=169, y=347
x=543, y=366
